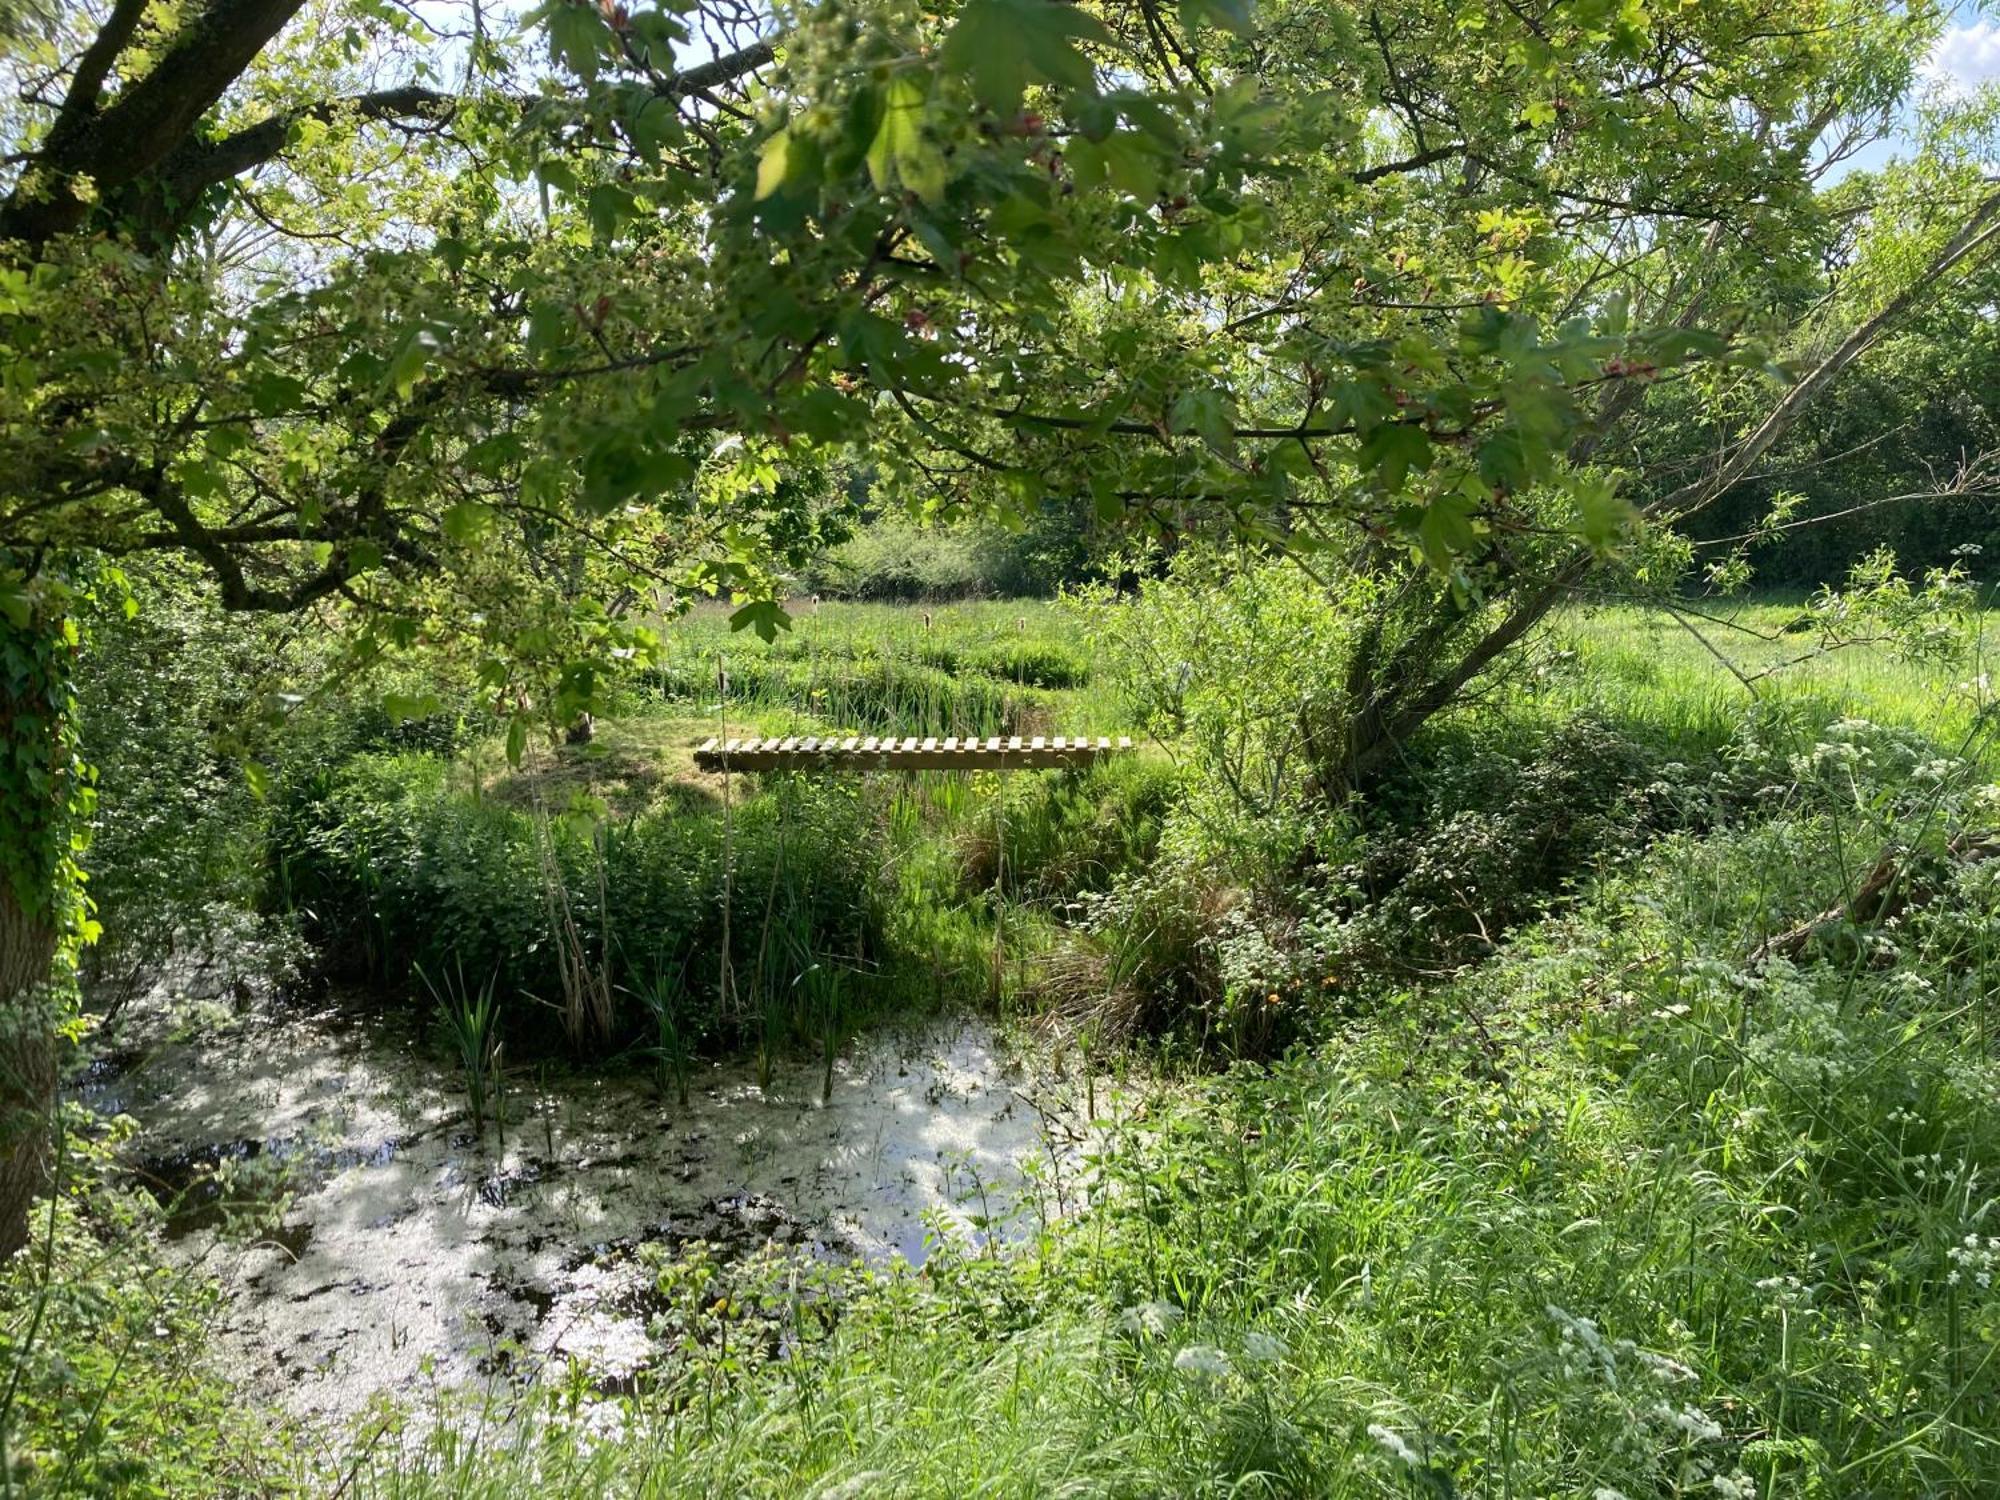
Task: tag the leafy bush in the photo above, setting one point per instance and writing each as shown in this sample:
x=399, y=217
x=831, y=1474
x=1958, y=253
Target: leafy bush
x=174, y=853
x=179, y=707
x=895, y=560
x=1237, y=666
x=1042, y=838
x=1490, y=823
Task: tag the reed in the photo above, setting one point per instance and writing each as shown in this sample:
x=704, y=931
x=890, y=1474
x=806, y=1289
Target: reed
x=472, y=1024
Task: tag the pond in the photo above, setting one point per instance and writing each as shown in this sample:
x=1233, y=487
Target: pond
x=408, y=1253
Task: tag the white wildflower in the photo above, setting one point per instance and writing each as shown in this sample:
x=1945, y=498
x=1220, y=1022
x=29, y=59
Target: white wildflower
x=1204, y=1361
x=1153, y=1318
x=1736, y=1486
x=864, y=1483
x=1264, y=1348
x=1393, y=1444
x=1671, y=1370
x=1582, y=1336
x=1695, y=1422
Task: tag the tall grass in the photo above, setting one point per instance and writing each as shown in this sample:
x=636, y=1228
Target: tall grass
x=1627, y=1210
x=1554, y=1174
x=966, y=669
x=472, y=1024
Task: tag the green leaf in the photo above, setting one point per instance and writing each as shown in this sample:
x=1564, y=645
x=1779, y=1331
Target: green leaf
x=773, y=163
x=407, y=368
x=1393, y=450
x=1126, y=159
x=900, y=151
x=257, y=779
x=607, y=206
x=403, y=707
x=1675, y=346
x=765, y=616
x=1445, y=530
x=1603, y=516
x=200, y=480
x=1233, y=15
x=271, y=392
x=467, y=522
x=1204, y=410
x=517, y=739
x=1003, y=45
x=577, y=37
x=861, y=121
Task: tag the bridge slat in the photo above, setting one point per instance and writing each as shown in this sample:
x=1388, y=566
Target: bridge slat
x=814, y=752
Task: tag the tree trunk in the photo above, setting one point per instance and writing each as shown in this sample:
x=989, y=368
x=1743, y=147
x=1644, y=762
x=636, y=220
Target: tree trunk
x=27, y=1064
x=39, y=788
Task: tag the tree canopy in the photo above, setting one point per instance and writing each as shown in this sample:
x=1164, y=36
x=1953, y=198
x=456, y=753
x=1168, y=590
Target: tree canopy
x=473, y=323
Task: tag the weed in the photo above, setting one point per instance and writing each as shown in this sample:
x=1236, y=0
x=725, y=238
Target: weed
x=472, y=1023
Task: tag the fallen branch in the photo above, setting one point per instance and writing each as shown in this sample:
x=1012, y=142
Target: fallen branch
x=1889, y=892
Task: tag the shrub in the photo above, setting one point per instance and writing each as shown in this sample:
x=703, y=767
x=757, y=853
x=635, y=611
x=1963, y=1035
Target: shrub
x=102, y=1388
x=1043, y=838
x=900, y=561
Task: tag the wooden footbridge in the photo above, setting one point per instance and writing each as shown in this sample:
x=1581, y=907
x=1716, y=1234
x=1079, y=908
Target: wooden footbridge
x=876, y=753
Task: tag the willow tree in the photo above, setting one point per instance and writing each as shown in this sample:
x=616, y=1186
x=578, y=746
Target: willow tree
x=447, y=332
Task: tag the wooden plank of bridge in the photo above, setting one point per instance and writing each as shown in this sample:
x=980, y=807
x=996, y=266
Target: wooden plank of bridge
x=876, y=753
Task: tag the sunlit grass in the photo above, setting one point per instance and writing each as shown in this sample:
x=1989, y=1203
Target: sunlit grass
x=1694, y=672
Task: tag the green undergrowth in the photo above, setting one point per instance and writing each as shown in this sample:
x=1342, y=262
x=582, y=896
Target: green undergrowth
x=1629, y=1209
x=395, y=864
x=996, y=668
x=1530, y=1144
x=619, y=869
x=103, y=1391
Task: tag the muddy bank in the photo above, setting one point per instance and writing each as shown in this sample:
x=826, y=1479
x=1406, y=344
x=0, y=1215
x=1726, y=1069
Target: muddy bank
x=409, y=1252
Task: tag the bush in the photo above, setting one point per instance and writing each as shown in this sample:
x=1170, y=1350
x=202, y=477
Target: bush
x=896, y=560
x=1050, y=838
x=173, y=706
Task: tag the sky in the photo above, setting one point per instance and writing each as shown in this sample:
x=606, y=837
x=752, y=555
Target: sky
x=1969, y=53
x=1966, y=56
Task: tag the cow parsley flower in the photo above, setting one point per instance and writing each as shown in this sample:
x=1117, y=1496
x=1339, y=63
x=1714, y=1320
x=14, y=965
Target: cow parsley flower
x=1150, y=1318
x=1203, y=1361
x=1393, y=1444
x=1264, y=1348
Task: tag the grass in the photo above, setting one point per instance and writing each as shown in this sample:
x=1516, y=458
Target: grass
x=1608, y=1202
x=1661, y=671
x=973, y=668
x=1620, y=1212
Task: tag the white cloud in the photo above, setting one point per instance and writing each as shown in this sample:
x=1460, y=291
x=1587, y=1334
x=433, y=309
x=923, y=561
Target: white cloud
x=1966, y=56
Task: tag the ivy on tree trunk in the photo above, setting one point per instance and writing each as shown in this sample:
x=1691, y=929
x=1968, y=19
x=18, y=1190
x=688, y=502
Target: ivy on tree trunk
x=43, y=790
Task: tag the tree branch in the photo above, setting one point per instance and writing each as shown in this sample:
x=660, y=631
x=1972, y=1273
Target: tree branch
x=95, y=65
x=146, y=122
x=1981, y=229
